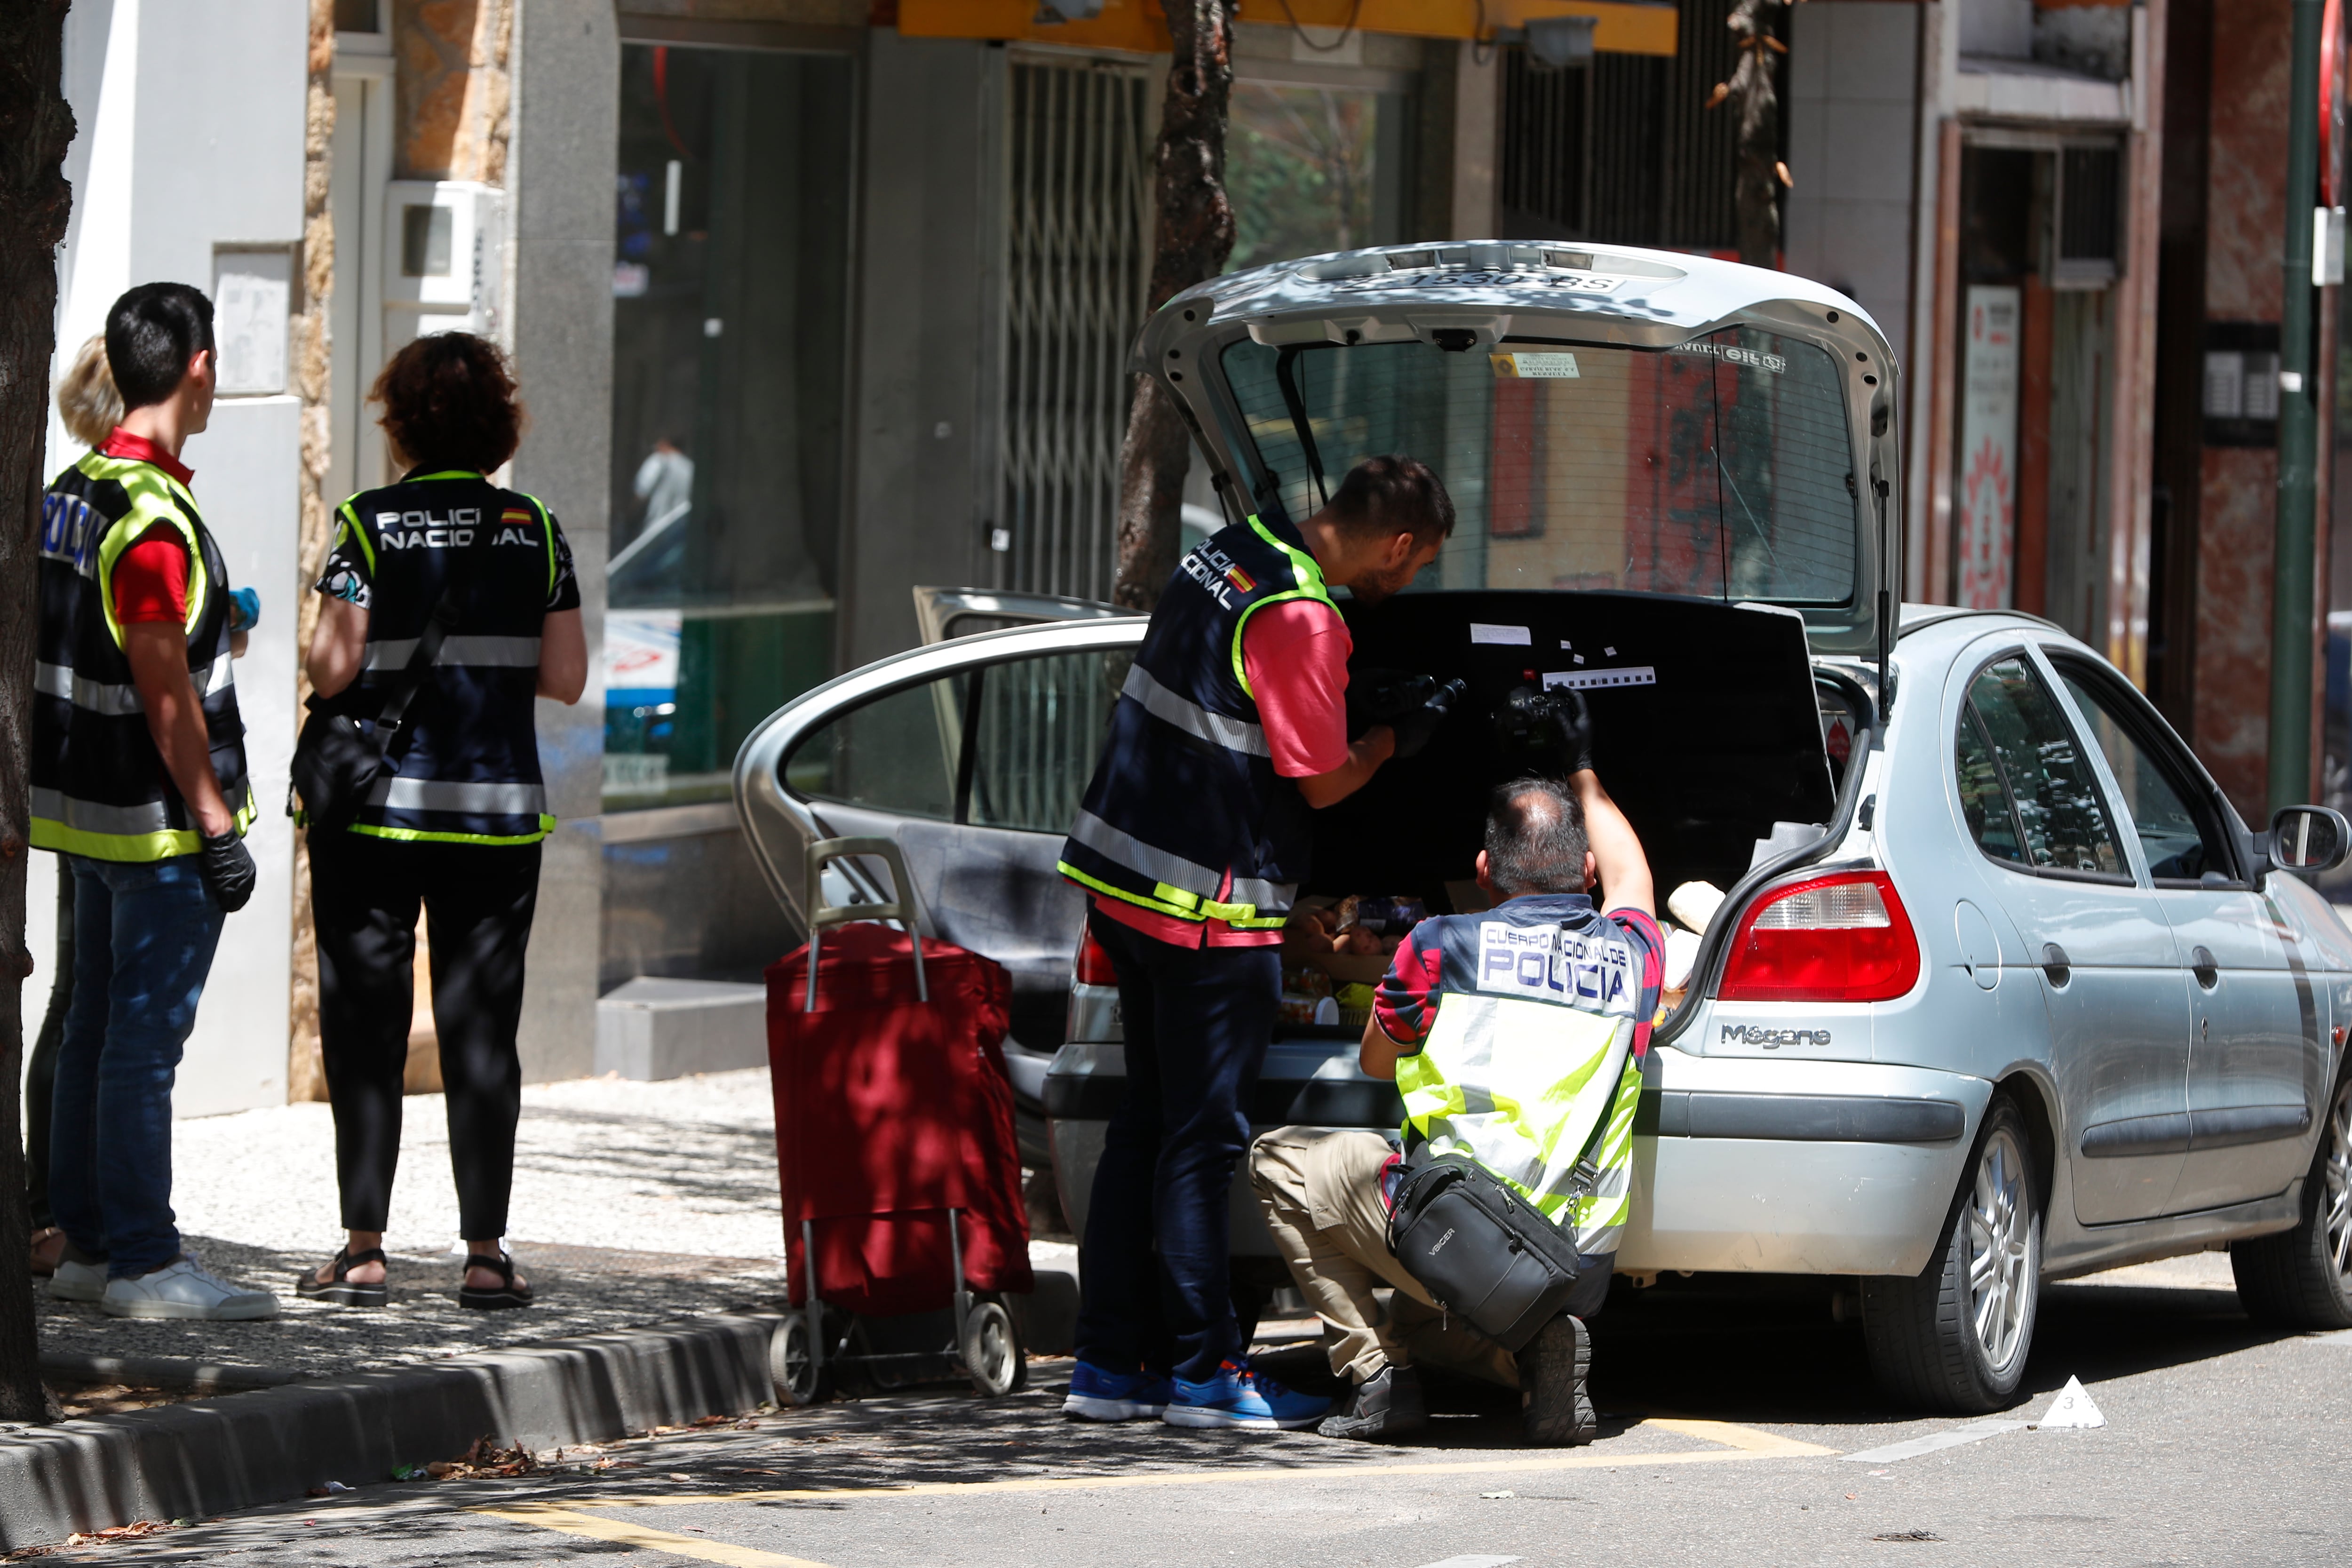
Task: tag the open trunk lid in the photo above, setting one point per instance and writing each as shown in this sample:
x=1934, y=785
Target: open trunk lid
x=1707, y=724
x=1605, y=419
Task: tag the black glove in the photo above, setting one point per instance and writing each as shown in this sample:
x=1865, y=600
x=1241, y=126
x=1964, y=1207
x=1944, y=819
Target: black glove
x=1549, y=732
x=227, y=869
x=1416, y=725
x=1384, y=696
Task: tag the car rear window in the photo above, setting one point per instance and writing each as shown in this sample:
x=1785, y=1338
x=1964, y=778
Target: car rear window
x=1722, y=467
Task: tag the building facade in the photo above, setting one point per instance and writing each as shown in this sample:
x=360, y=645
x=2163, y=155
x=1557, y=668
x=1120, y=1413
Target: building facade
x=815, y=302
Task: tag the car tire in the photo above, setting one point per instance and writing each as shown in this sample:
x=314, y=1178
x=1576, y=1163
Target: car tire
x=1956, y=1337
x=2302, y=1279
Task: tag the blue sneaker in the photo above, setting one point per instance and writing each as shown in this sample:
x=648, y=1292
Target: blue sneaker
x=1100, y=1395
x=1237, y=1397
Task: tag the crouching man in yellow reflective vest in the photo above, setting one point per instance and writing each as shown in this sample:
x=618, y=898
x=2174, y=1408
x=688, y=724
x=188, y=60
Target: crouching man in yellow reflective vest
x=1515, y=1036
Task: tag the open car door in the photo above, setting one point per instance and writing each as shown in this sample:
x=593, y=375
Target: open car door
x=947, y=613
x=971, y=756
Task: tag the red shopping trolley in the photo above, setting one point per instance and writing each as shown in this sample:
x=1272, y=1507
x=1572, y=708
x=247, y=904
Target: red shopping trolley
x=895, y=1144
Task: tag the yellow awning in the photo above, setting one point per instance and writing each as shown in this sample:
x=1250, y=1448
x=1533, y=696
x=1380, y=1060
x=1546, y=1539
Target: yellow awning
x=1139, y=26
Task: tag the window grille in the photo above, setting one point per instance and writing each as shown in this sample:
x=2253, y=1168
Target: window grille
x=1077, y=264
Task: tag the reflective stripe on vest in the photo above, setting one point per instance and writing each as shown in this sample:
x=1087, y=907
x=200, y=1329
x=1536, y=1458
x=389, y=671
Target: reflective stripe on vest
x=1530, y=1052
x=1185, y=795
x=99, y=786
x=469, y=770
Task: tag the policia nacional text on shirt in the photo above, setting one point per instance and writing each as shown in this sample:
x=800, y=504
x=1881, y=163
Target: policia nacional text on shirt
x=1192, y=842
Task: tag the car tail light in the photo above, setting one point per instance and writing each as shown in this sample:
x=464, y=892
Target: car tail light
x=1841, y=938
x=1093, y=964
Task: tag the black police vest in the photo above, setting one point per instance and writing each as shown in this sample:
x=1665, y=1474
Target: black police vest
x=100, y=788
x=469, y=770
x=1186, y=789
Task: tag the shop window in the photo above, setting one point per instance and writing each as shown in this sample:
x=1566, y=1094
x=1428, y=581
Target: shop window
x=729, y=284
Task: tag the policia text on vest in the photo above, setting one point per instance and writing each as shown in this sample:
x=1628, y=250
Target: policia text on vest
x=468, y=767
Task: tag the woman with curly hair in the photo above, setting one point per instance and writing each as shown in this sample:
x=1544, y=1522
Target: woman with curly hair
x=441, y=553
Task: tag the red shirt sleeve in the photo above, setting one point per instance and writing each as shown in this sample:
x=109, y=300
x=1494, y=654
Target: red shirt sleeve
x=1405, y=1001
x=1295, y=654
x=1650, y=952
x=150, y=581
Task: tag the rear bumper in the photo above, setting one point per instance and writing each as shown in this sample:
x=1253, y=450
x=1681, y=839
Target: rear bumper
x=1739, y=1165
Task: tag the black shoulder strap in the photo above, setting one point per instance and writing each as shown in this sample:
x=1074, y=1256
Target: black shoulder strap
x=445, y=610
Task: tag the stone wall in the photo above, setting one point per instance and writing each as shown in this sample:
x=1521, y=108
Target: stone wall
x=454, y=89
x=2237, y=500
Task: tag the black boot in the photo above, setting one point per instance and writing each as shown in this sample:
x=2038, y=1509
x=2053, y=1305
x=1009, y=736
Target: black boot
x=1554, y=1408
x=1386, y=1406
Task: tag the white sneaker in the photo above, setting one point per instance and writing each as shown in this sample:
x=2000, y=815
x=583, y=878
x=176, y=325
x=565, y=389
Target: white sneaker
x=183, y=1288
x=77, y=1282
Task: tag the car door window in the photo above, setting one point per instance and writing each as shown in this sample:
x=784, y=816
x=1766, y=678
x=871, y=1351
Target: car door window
x=2058, y=816
x=1010, y=744
x=894, y=753
x=1037, y=730
x=1983, y=800
x=2181, y=843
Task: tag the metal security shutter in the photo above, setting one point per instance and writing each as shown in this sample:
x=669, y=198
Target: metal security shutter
x=1077, y=262
x=1625, y=149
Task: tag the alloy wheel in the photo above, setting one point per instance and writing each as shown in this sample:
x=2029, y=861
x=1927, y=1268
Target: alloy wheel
x=1999, y=1226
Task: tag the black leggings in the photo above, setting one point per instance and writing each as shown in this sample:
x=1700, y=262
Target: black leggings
x=477, y=901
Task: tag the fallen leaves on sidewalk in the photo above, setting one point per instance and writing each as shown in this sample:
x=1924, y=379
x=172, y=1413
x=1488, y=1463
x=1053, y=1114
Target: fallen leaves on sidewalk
x=97, y=1538
x=484, y=1459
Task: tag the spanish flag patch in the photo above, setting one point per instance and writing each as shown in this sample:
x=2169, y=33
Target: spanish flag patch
x=517, y=514
x=1240, y=579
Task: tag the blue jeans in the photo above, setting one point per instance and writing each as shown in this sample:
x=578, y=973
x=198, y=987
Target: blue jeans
x=144, y=939
x=1155, y=1268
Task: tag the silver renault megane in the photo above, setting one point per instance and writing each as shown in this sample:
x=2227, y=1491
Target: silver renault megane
x=2002, y=988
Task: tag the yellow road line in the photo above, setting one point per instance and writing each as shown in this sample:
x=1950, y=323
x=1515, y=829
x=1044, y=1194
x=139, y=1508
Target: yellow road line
x=1738, y=1443
x=546, y=1516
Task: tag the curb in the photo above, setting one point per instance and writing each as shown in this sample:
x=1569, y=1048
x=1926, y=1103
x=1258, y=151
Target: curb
x=243, y=1450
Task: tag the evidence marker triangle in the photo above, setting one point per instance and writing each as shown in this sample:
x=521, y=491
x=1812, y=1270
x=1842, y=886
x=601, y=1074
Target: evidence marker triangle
x=2073, y=1407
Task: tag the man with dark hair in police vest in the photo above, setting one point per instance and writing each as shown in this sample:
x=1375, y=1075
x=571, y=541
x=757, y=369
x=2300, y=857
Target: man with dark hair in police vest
x=1192, y=842
x=139, y=779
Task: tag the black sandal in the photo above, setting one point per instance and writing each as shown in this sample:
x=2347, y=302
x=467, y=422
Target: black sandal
x=498, y=1298
x=342, y=1290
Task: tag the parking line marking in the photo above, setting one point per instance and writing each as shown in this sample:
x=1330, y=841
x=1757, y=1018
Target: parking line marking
x=1974, y=1432
x=548, y=1516
x=1474, y=1563
x=2340, y=1337
x=1735, y=1444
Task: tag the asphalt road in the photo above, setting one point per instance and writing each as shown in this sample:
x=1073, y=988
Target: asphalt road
x=2225, y=1444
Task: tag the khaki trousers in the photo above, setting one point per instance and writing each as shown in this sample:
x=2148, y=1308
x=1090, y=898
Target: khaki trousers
x=1320, y=1190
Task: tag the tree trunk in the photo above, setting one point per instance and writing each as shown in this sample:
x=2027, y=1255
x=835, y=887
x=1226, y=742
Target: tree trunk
x=1756, y=99
x=1194, y=235
x=36, y=127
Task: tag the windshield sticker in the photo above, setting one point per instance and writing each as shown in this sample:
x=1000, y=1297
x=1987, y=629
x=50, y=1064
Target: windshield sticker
x=1508, y=637
x=1535, y=367
x=1754, y=359
x=1593, y=679
x=1449, y=277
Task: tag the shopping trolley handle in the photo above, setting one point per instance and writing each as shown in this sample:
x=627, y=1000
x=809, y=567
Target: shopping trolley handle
x=905, y=906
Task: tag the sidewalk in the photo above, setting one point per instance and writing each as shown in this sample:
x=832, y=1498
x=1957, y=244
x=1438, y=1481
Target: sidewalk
x=634, y=1203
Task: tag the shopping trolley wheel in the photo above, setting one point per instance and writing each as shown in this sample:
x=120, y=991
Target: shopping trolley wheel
x=792, y=1364
x=992, y=1355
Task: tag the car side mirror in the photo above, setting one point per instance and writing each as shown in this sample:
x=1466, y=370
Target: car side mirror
x=2307, y=840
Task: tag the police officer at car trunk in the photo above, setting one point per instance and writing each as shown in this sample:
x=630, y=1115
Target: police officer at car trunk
x=1192, y=842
